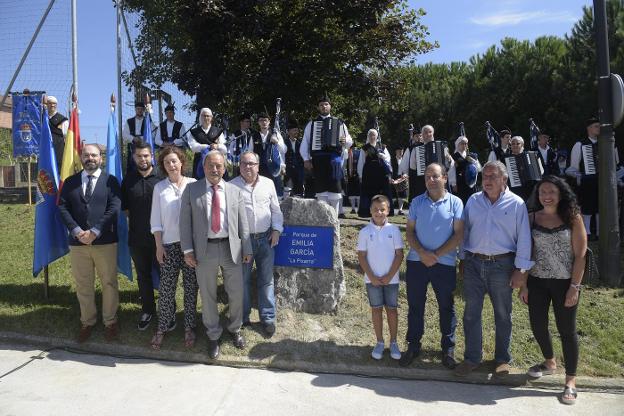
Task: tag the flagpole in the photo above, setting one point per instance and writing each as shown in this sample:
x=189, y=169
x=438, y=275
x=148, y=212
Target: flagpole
x=119, y=115
x=46, y=284
x=74, y=30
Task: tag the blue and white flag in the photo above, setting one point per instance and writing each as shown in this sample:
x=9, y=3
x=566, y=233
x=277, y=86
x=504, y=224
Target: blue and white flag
x=50, y=232
x=492, y=136
x=27, y=124
x=113, y=168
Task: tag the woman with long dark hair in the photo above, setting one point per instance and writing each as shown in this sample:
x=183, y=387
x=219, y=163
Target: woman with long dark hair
x=559, y=246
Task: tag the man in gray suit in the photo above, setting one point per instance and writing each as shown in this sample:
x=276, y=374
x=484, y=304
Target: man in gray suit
x=213, y=233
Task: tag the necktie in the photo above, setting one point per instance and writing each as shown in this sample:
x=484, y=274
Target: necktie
x=88, y=190
x=215, y=211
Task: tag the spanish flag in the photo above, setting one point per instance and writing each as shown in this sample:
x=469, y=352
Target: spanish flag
x=71, y=154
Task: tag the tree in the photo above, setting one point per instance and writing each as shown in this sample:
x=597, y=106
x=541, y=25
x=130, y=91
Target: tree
x=242, y=54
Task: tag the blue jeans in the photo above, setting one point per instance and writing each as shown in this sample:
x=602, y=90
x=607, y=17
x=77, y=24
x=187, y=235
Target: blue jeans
x=491, y=277
x=443, y=280
x=263, y=255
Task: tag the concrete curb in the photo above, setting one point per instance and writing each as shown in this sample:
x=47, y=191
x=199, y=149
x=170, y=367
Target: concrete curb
x=516, y=379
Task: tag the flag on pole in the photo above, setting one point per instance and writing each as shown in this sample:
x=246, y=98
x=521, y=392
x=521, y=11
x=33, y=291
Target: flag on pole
x=534, y=132
x=71, y=154
x=113, y=168
x=50, y=232
x=147, y=135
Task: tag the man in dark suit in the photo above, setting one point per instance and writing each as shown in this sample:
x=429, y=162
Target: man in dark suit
x=214, y=233
x=89, y=205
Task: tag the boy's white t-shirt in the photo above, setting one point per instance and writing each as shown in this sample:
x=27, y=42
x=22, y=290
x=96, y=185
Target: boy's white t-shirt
x=380, y=244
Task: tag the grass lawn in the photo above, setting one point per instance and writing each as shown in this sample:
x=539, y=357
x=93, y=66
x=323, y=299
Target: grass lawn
x=344, y=337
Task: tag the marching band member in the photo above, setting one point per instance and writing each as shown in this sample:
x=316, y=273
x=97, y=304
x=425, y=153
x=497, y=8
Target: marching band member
x=134, y=129
x=547, y=154
x=294, y=178
x=240, y=141
x=261, y=141
x=324, y=159
x=373, y=172
x=170, y=130
x=205, y=136
x=504, y=150
x=463, y=174
x=58, y=127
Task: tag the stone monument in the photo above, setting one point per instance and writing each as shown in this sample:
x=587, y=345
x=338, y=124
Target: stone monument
x=312, y=290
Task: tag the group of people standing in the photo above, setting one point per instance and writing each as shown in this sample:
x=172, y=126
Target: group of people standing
x=199, y=225
x=500, y=247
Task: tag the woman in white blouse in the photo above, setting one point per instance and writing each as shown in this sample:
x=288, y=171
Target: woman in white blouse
x=164, y=221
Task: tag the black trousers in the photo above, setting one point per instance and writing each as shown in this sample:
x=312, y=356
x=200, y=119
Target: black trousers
x=543, y=292
x=144, y=258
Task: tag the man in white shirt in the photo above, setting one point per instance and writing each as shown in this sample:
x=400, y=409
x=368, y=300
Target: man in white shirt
x=548, y=155
x=505, y=149
x=170, y=131
x=265, y=221
x=134, y=130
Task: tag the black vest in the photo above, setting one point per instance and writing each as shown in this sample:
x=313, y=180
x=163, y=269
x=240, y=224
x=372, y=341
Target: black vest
x=293, y=158
x=500, y=154
x=175, y=133
x=203, y=138
x=132, y=126
x=55, y=122
x=260, y=148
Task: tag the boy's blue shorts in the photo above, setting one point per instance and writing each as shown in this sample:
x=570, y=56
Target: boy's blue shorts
x=379, y=296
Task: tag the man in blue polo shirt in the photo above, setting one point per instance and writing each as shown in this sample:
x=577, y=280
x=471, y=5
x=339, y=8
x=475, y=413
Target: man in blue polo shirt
x=434, y=230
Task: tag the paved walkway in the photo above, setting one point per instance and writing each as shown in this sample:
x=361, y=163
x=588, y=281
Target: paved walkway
x=58, y=382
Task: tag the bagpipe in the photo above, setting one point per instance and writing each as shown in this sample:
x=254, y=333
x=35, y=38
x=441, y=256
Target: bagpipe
x=471, y=171
x=381, y=148
x=534, y=132
x=272, y=155
x=493, y=136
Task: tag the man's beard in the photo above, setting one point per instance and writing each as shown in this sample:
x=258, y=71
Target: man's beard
x=144, y=169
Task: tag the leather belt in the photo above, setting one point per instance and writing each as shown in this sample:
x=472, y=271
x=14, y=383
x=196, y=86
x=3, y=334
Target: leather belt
x=218, y=240
x=491, y=257
x=257, y=236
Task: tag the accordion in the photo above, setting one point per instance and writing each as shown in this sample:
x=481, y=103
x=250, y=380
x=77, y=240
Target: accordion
x=524, y=168
x=589, y=159
x=326, y=133
x=426, y=154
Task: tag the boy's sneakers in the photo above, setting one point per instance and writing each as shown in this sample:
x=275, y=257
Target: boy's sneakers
x=378, y=351
x=395, y=352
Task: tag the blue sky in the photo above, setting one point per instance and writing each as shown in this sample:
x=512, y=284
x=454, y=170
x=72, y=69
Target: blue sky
x=462, y=28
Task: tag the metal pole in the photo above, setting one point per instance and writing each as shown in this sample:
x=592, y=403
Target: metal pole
x=46, y=283
x=29, y=182
x=119, y=96
x=74, y=30
x=26, y=52
x=609, y=258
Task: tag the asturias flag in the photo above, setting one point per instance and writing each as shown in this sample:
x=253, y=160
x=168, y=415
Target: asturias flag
x=113, y=167
x=50, y=232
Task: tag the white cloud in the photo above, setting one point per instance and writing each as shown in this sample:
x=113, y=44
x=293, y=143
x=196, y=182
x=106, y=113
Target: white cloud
x=515, y=18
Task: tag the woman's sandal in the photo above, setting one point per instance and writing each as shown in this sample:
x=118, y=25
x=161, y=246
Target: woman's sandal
x=189, y=338
x=157, y=340
x=569, y=395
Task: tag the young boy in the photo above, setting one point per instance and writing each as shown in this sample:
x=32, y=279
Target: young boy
x=380, y=251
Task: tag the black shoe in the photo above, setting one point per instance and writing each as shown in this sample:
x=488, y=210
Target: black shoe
x=269, y=329
x=408, y=356
x=213, y=348
x=448, y=361
x=144, y=322
x=342, y=216
x=238, y=340
x=171, y=326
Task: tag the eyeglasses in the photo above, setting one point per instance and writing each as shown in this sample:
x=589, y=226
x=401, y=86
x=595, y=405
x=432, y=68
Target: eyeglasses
x=249, y=163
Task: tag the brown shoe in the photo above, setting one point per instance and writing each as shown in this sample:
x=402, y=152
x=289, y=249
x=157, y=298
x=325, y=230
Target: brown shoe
x=85, y=333
x=502, y=369
x=111, y=332
x=464, y=369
